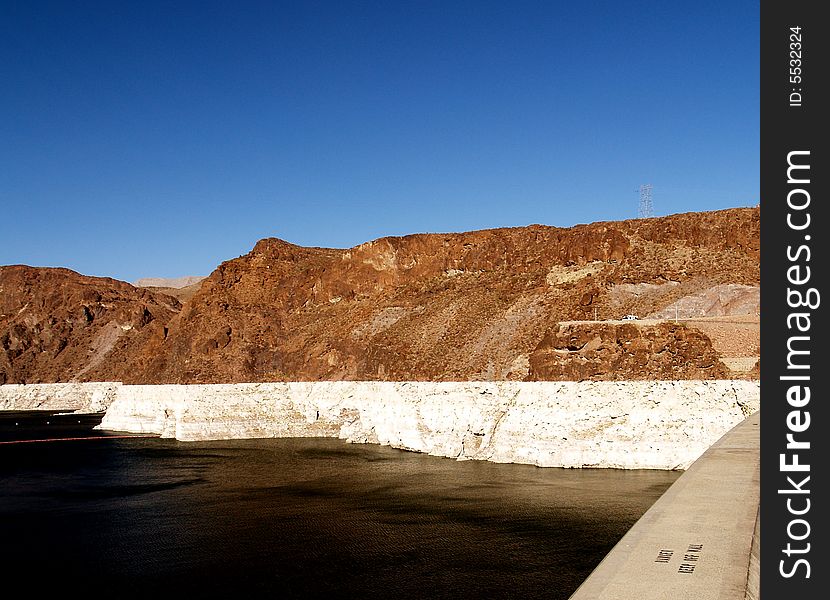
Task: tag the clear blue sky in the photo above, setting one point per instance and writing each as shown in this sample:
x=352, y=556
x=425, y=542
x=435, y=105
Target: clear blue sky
x=161, y=138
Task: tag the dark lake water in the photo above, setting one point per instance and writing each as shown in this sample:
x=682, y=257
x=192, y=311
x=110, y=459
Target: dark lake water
x=47, y=424
x=303, y=518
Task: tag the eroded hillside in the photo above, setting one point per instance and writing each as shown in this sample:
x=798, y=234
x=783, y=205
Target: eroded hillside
x=57, y=325
x=461, y=306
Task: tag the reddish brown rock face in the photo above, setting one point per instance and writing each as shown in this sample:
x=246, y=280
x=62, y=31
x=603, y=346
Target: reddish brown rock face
x=466, y=306
x=57, y=325
x=620, y=352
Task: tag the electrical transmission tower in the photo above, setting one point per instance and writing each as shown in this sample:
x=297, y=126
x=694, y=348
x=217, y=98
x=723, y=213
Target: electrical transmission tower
x=646, y=209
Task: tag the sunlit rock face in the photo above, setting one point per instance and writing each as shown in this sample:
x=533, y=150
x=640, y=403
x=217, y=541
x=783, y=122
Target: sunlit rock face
x=489, y=305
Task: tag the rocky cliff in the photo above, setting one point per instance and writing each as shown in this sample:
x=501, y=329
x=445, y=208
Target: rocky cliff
x=624, y=351
x=437, y=307
x=57, y=325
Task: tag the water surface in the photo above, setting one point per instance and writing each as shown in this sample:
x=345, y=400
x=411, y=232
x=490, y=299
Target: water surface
x=300, y=518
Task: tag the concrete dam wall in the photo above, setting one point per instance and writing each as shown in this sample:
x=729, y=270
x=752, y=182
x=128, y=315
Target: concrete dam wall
x=701, y=540
x=627, y=425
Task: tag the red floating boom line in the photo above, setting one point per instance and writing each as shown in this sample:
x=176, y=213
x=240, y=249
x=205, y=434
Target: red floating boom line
x=76, y=439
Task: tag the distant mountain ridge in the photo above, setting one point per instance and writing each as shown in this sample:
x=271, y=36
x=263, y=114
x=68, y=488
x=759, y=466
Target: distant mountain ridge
x=481, y=305
x=161, y=282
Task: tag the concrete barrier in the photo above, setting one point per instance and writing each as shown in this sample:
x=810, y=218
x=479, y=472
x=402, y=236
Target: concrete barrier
x=701, y=539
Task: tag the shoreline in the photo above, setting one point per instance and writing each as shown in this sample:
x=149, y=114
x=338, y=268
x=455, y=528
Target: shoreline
x=627, y=425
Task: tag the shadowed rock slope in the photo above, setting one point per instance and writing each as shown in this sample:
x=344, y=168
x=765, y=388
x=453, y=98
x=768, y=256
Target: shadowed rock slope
x=464, y=306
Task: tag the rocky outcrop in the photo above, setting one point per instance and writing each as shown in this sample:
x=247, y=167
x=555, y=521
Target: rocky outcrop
x=426, y=307
x=631, y=425
x=625, y=350
x=57, y=325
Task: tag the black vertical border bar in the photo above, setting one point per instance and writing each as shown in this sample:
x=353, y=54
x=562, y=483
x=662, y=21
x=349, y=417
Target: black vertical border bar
x=784, y=129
